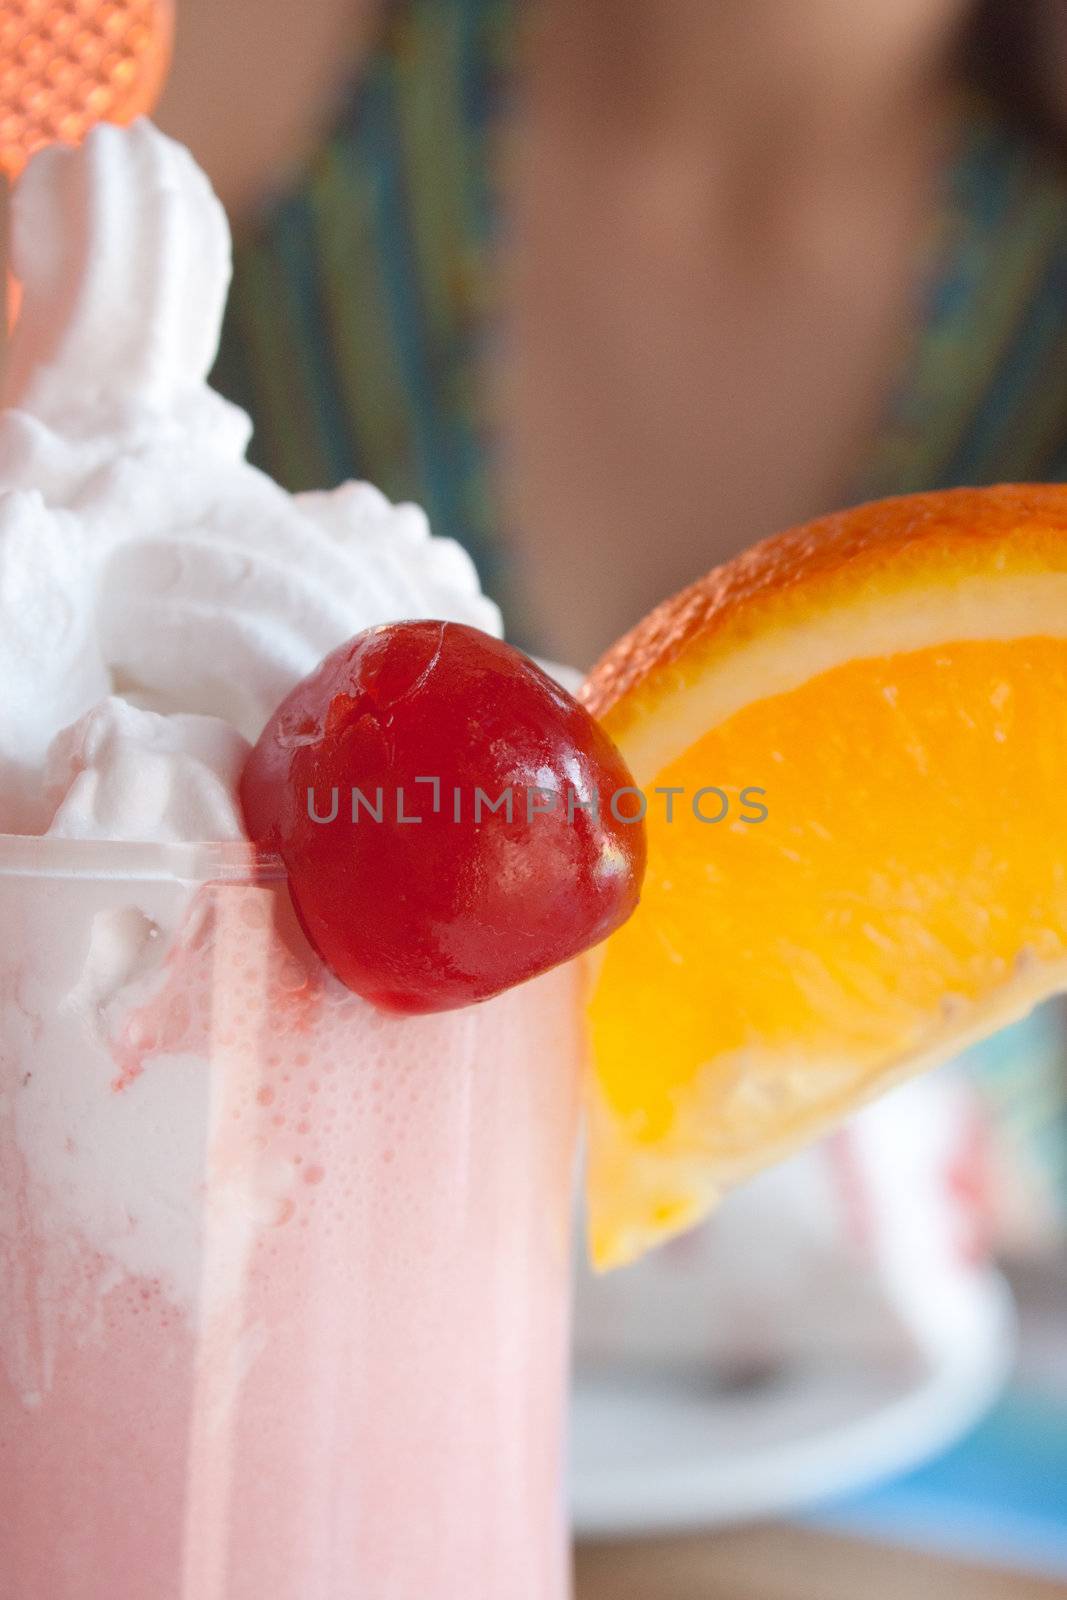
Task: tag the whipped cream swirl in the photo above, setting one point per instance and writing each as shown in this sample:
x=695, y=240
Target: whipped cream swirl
x=141, y=557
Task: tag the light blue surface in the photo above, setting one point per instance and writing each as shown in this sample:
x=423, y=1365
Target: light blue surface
x=999, y=1496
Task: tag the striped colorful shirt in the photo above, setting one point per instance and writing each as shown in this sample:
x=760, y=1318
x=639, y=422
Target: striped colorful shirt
x=360, y=300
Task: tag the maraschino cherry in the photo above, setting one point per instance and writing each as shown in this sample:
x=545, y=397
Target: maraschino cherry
x=453, y=822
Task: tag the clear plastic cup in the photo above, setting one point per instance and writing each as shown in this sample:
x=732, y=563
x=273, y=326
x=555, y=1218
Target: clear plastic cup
x=283, y=1281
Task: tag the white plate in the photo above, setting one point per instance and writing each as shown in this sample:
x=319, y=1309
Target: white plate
x=664, y=1453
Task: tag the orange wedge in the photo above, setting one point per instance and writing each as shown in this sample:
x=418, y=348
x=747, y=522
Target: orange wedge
x=894, y=681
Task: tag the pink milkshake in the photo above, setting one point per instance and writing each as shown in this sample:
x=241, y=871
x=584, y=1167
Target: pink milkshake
x=284, y=1280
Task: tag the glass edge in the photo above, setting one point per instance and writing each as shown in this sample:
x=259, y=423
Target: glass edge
x=230, y=861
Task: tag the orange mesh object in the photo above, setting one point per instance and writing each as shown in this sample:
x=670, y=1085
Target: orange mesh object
x=68, y=64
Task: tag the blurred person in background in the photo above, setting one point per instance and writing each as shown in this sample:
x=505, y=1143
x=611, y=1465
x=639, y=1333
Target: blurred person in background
x=616, y=287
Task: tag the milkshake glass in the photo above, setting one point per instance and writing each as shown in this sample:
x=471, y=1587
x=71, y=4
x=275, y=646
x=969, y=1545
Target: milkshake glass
x=283, y=1280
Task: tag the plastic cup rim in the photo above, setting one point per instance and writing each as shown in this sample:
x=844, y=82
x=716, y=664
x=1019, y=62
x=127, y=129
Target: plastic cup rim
x=228, y=861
